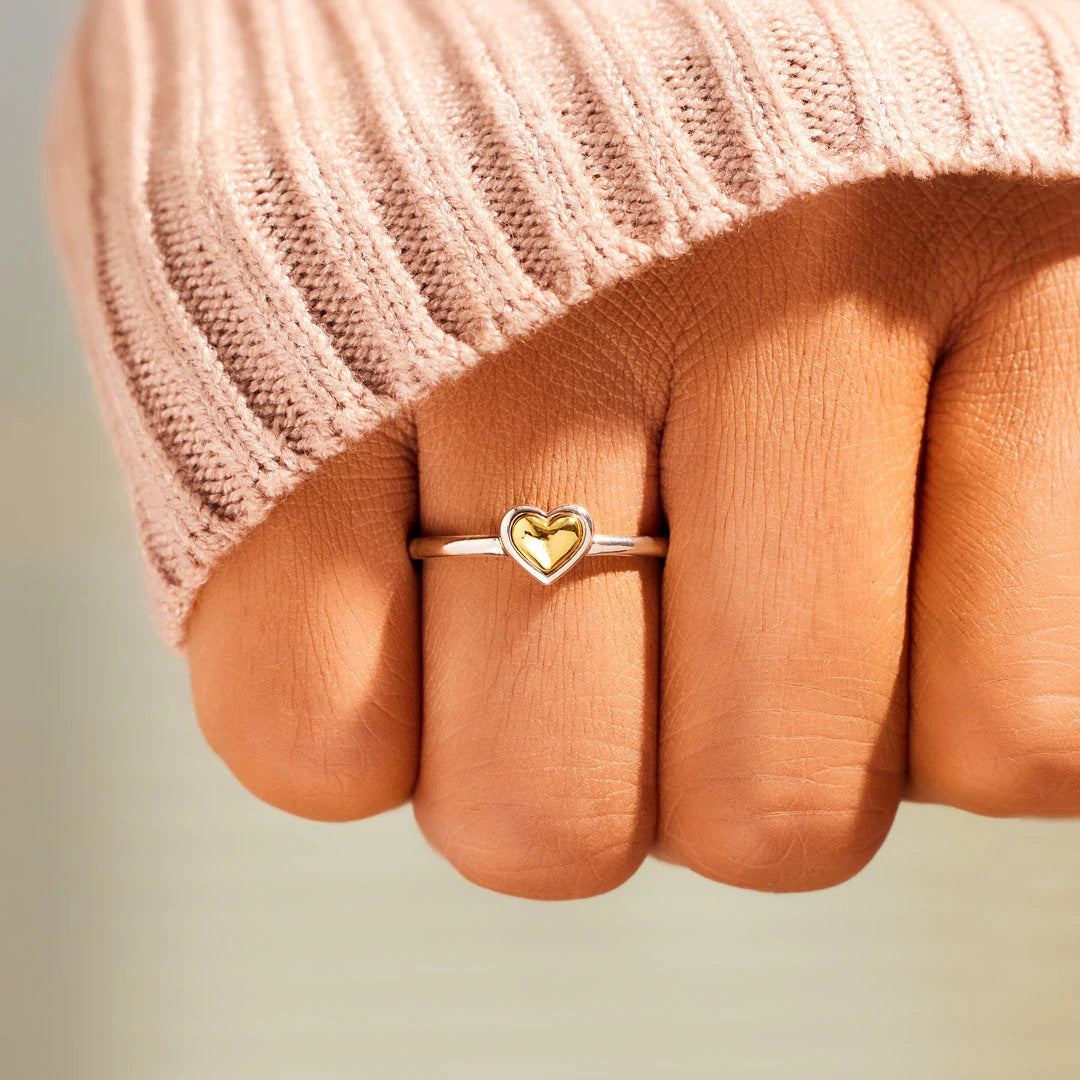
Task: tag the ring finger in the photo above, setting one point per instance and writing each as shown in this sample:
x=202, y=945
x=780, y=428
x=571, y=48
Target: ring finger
x=537, y=771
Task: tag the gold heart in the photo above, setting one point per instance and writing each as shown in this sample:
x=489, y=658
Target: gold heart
x=547, y=542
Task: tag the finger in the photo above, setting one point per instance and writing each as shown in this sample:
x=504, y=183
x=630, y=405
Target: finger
x=304, y=645
x=537, y=774
x=996, y=634
x=789, y=468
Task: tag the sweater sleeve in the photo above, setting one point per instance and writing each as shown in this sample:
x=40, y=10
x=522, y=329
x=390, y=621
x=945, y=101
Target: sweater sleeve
x=282, y=219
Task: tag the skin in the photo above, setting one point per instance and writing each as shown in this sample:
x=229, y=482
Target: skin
x=859, y=420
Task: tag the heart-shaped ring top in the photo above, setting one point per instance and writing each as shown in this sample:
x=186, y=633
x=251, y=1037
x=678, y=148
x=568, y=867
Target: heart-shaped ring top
x=547, y=545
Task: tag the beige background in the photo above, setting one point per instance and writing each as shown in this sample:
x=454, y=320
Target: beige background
x=157, y=923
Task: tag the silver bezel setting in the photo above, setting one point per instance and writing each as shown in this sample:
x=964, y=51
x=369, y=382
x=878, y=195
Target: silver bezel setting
x=544, y=578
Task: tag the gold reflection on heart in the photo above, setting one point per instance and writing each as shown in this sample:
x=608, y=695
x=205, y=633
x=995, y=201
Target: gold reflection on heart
x=547, y=543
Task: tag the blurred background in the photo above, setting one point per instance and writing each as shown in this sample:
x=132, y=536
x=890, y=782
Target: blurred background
x=157, y=923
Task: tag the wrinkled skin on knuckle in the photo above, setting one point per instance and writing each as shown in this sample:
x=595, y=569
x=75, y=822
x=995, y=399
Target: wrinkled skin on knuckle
x=297, y=726
x=999, y=775
x=764, y=839
x=548, y=852
x=306, y=748
x=1001, y=749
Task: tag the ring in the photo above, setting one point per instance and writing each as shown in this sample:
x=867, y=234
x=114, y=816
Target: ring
x=546, y=545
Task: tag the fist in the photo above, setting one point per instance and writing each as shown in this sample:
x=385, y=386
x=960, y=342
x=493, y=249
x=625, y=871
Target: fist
x=858, y=420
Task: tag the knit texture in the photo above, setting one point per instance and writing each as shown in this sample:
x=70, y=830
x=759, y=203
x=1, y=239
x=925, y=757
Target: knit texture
x=281, y=219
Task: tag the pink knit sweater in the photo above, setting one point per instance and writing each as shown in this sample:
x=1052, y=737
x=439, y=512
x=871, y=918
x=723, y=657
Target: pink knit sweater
x=281, y=218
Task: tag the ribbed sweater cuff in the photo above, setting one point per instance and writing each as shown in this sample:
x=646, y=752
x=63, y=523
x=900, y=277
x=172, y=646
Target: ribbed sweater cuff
x=281, y=219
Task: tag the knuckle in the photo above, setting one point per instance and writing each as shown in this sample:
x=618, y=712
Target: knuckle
x=767, y=843
x=546, y=853
x=1006, y=756
x=311, y=711
x=316, y=766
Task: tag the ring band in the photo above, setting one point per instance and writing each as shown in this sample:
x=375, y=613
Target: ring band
x=546, y=545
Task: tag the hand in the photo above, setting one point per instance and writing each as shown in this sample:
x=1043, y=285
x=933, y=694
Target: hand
x=858, y=417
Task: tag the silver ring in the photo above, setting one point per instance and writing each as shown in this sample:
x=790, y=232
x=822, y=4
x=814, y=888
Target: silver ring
x=547, y=545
